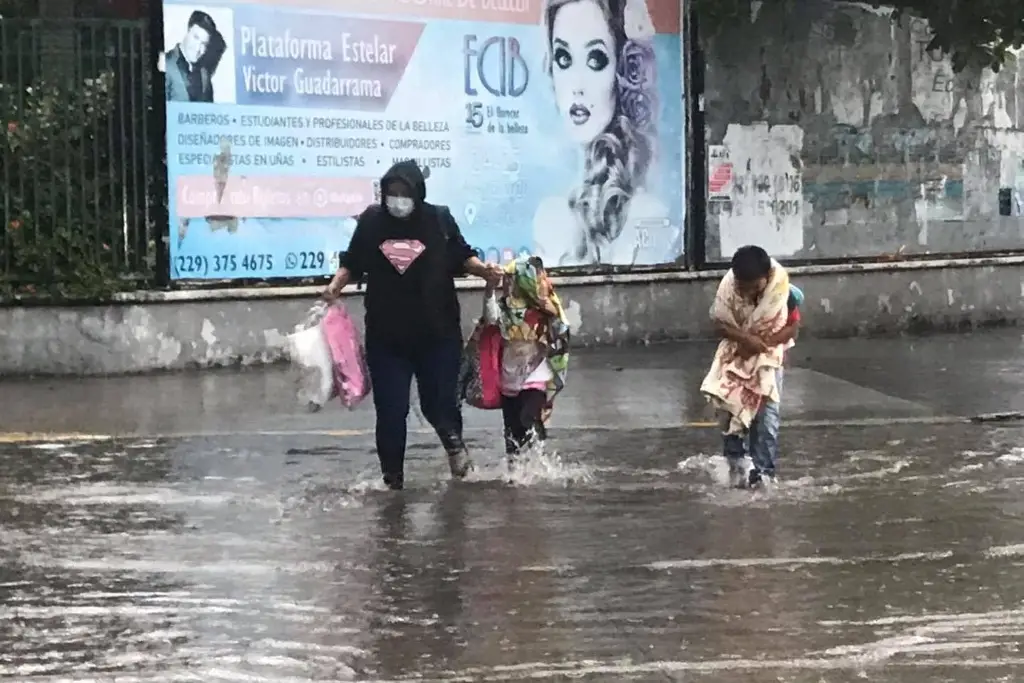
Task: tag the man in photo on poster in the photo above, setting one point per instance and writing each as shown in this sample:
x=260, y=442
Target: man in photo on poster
x=191, y=63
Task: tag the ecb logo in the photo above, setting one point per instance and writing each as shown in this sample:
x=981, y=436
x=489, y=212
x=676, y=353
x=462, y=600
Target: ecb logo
x=496, y=65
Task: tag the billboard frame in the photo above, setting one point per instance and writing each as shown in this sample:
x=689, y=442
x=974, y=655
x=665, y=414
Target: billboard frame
x=694, y=173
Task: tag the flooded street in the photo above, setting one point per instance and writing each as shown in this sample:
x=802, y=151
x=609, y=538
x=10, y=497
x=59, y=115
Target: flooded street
x=892, y=550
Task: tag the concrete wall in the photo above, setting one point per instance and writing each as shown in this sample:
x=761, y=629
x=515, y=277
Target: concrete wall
x=845, y=137
x=181, y=330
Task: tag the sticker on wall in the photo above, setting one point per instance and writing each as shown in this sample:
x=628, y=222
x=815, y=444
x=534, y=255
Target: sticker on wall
x=719, y=172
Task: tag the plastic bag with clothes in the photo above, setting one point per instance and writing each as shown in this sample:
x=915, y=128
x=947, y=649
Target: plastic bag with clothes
x=480, y=373
x=330, y=358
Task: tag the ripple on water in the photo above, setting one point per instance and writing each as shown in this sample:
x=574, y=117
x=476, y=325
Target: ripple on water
x=709, y=475
x=915, y=635
x=1014, y=457
x=173, y=571
x=103, y=494
x=177, y=632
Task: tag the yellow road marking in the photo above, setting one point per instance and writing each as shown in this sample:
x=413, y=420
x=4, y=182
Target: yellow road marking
x=71, y=437
x=330, y=432
x=62, y=437
x=68, y=437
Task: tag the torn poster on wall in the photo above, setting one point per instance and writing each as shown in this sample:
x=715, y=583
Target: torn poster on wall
x=719, y=173
x=766, y=202
x=939, y=200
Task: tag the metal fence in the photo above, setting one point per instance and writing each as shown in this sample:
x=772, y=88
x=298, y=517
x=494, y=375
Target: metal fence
x=76, y=164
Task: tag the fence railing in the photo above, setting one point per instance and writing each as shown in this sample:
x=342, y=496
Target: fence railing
x=76, y=164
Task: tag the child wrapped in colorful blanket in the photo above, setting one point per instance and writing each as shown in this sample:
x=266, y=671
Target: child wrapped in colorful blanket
x=534, y=357
x=757, y=315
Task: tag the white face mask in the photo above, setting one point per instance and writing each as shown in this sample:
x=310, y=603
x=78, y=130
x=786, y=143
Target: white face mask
x=400, y=207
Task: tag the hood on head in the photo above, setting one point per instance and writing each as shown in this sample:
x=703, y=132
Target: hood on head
x=408, y=172
x=522, y=278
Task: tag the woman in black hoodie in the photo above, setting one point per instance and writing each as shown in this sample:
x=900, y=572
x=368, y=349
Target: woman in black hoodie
x=409, y=252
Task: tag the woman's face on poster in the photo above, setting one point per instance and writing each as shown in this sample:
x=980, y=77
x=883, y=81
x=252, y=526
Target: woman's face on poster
x=583, y=65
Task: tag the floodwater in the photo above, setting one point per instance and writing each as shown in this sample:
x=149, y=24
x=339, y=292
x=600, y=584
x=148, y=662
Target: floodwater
x=888, y=553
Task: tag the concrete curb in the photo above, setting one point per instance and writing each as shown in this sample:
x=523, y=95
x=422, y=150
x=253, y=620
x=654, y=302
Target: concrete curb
x=998, y=417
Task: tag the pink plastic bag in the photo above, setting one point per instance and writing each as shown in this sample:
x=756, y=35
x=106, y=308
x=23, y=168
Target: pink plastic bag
x=480, y=377
x=490, y=367
x=351, y=378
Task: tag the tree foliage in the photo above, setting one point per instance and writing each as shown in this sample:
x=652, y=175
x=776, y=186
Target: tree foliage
x=15, y=9
x=60, y=234
x=975, y=33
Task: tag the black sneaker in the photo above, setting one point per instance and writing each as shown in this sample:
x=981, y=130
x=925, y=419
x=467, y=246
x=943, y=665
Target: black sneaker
x=761, y=480
x=459, y=463
x=395, y=482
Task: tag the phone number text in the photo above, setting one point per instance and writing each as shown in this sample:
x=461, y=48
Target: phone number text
x=228, y=264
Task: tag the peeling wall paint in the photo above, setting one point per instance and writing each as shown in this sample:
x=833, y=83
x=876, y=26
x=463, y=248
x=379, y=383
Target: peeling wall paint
x=574, y=313
x=765, y=201
x=857, y=299
x=898, y=153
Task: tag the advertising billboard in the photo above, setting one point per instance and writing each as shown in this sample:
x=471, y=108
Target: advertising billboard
x=554, y=127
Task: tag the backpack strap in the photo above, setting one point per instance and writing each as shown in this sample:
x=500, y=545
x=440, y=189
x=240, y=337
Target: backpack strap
x=446, y=221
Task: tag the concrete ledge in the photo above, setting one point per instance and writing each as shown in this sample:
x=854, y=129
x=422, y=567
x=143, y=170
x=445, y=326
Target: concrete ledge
x=150, y=331
x=248, y=293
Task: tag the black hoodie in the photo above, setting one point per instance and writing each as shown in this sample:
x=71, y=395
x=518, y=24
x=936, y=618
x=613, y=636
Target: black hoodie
x=408, y=266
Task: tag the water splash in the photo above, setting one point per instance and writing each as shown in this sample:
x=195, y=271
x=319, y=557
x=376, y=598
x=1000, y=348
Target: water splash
x=896, y=467
x=1014, y=457
x=713, y=479
x=539, y=465
x=712, y=467
x=365, y=484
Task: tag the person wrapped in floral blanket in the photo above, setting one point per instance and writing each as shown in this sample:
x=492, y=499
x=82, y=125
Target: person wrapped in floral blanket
x=756, y=323
x=535, y=351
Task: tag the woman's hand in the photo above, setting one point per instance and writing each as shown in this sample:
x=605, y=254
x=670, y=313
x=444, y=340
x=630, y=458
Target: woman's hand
x=332, y=292
x=494, y=274
x=491, y=272
x=337, y=284
x=546, y=305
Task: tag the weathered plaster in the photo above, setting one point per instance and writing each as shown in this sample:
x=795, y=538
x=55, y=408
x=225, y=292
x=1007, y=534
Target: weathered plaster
x=180, y=330
x=898, y=153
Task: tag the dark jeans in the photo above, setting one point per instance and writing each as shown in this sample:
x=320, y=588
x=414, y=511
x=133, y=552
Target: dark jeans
x=435, y=365
x=761, y=442
x=522, y=415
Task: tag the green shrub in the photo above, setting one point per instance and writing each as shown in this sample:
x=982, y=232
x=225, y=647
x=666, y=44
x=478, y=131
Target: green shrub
x=60, y=200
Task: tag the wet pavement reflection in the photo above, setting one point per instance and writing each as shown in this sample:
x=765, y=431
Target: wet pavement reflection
x=656, y=386
x=892, y=552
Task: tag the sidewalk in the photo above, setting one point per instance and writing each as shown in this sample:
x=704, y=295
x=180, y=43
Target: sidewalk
x=657, y=386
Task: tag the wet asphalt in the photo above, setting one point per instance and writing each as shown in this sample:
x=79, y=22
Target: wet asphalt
x=211, y=530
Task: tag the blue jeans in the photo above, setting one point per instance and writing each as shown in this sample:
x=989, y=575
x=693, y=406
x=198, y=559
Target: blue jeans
x=435, y=365
x=761, y=441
